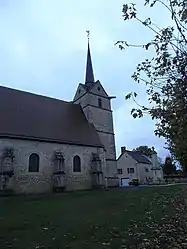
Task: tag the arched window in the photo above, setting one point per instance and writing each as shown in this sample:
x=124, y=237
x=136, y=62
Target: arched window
x=76, y=164
x=100, y=103
x=34, y=163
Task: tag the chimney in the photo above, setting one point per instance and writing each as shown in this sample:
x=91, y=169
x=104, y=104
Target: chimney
x=123, y=149
x=154, y=160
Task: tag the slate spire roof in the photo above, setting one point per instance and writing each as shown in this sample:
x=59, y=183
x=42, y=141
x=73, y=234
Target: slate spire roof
x=89, y=79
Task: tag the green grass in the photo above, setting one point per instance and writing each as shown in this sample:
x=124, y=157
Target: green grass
x=86, y=219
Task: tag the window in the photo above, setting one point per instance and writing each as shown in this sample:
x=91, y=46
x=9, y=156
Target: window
x=76, y=164
x=98, y=88
x=120, y=172
x=34, y=163
x=146, y=170
x=100, y=103
x=130, y=170
x=79, y=91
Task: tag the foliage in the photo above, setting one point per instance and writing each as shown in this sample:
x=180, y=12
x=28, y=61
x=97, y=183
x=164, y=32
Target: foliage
x=160, y=161
x=165, y=75
x=135, y=182
x=144, y=149
x=179, y=172
x=169, y=167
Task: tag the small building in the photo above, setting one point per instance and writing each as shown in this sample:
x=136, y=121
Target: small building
x=135, y=165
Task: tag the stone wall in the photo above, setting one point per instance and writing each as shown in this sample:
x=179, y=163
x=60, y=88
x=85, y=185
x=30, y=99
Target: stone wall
x=178, y=179
x=145, y=176
x=84, y=98
x=157, y=175
x=102, y=119
x=103, y=122
x=93, y=100
x=38, y=182
x=109, y=143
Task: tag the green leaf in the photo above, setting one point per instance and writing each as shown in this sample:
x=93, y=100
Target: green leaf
x=125, y=8
x=151, y=5
x=164, y=76
x=128, y=96
x=135, y=115
x=133, y=110
x=147, y=46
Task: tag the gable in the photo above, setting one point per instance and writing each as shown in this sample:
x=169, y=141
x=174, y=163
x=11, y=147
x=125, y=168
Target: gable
x=90, y=96
x=80, y=92
x=98, y=89
x=126, y=161
x=125, y=156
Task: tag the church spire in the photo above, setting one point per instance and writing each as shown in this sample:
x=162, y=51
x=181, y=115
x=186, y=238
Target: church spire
x=89, y=69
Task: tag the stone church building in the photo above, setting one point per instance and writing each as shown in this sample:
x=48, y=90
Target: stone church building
x=49, y=145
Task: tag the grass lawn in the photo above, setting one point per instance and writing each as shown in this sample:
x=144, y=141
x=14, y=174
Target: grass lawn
x=88, y=219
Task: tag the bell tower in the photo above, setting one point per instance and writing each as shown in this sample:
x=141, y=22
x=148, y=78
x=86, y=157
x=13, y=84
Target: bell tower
x=96, y=104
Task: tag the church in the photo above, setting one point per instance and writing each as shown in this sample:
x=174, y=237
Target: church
x=47, y=144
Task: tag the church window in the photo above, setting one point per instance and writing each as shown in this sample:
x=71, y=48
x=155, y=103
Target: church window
x=34, y=163
x=98, y=88
x=100, y=103
x=76, y=164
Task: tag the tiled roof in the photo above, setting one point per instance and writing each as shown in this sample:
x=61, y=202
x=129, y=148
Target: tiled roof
x=138, y=156
x=31, y=116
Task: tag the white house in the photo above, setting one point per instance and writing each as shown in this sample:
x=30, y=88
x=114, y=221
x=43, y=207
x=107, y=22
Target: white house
x=134, y=165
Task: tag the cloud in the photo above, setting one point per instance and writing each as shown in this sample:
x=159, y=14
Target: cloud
x=43, y=50
x=132, y=132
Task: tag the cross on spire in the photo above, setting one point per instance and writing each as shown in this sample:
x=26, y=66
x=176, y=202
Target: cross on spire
x=88, y=34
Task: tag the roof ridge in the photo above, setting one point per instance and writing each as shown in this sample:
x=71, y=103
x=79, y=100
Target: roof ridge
x=35, y=94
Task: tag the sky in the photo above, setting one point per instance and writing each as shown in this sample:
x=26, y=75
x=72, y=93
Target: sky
x=43, y=47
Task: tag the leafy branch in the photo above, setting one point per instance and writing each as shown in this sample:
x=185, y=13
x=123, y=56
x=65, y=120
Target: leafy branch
x=165, y=75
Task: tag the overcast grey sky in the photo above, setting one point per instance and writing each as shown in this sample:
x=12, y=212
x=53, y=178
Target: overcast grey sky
x=43, y=50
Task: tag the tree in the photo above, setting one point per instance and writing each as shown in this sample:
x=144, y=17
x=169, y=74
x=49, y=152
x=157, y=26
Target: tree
x=144, y=149
x=179, y=172
x=165, y=75
x=169, y=167
x=160, y=162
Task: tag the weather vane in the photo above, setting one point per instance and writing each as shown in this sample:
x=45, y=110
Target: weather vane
x=88, y=34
